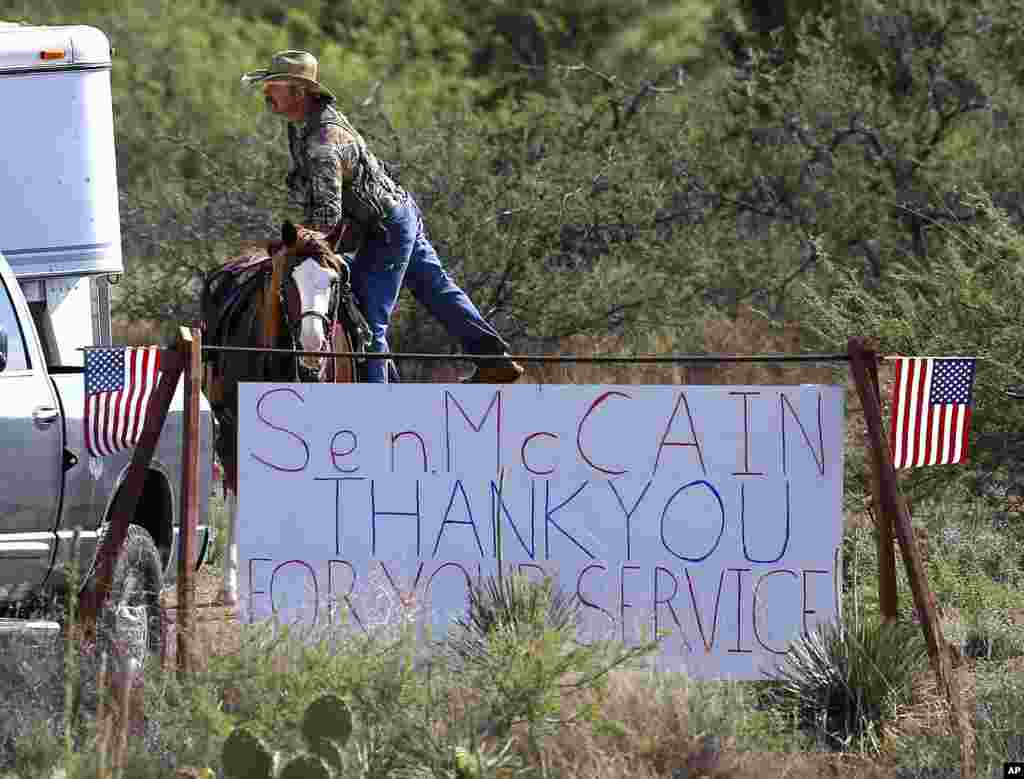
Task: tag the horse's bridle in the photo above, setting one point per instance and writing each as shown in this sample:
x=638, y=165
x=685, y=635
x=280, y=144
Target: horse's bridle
x=341, y=282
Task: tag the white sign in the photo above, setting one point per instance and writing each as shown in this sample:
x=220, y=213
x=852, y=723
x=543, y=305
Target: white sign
x=710, y=516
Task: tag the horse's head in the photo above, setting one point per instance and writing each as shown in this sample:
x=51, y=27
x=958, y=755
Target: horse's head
x=314, y=271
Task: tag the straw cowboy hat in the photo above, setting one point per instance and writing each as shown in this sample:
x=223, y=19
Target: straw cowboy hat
x=298, y=66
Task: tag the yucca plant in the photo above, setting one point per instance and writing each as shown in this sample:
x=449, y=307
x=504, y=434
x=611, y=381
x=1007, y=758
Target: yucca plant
x=843, y=680
x=516, y=604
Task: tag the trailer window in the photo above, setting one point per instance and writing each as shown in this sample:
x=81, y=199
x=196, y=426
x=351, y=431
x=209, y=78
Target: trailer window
x=17, y=353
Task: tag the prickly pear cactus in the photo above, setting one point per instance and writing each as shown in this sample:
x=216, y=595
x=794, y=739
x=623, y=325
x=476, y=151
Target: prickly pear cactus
x=246, y=756
x=305, y=767
x=327, y=718
x=326, y=726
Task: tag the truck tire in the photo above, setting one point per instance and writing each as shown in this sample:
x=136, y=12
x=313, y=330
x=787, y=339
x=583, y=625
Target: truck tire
x=131, y=625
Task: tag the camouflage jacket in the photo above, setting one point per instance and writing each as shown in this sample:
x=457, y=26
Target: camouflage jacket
x=335, y=175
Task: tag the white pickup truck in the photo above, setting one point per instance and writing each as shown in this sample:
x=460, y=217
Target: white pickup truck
x=59, y=250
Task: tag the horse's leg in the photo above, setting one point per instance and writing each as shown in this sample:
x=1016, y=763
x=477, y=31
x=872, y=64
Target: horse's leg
x=229, y=586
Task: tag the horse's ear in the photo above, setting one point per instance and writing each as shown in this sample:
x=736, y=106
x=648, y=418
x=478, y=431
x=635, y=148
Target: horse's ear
x=288, y=233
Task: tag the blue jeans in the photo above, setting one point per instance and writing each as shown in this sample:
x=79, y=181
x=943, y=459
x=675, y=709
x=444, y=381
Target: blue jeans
x=404, y=254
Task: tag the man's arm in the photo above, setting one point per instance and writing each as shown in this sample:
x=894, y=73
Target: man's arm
x=333, y=155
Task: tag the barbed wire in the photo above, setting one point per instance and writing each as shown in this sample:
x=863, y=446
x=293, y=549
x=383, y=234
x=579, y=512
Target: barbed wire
x=554, y=358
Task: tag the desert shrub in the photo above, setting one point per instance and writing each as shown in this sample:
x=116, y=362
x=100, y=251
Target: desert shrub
x=992, y=636
x=845, y=679
x=186, y=722
x=37, y=750
x=1000, y=717
x=971, y=591
x=30, y=697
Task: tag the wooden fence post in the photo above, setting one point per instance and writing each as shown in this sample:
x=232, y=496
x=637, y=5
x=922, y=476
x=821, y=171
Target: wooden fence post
x=864, y=368
x=894, y=511
x=190, y=348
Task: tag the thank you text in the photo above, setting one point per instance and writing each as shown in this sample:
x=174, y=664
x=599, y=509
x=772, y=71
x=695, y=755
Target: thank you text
x=707, y=516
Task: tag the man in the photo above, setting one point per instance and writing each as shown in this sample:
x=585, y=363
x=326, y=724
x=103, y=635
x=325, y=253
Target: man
x=336, y=177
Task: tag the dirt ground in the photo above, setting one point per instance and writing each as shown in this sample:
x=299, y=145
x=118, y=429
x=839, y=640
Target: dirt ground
x=217, y=626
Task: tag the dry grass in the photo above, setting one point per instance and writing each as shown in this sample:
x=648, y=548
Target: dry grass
x=653, y=737
x=660, y=737
x=745, y=335
x=217, y=627
x=138, y=333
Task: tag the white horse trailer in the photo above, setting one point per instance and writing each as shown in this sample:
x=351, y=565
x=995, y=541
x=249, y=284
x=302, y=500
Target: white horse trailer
x=59, y=218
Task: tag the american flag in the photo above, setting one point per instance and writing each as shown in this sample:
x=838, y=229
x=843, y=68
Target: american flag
x=118, y=384
x=931, y=410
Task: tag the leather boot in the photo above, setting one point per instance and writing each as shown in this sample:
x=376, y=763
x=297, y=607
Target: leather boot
x=502, y=371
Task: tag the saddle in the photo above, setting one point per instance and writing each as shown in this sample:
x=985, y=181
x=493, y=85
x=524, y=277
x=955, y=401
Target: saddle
x=226, y=291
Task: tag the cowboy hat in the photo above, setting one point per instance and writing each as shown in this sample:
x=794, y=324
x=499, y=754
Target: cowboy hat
x=298, y=66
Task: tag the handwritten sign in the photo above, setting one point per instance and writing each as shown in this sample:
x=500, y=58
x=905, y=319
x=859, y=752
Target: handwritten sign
x=708, y=516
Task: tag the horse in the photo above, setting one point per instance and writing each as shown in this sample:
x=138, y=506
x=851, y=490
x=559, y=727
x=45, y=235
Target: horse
x=294, y=295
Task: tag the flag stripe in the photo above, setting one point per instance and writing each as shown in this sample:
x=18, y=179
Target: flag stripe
x=923, y=416
x=97, y=416
x=908, y=418
x=946, y=415
x=930, y=426
x=136, y=400
x=115, y=416
x=934, y=435
x=128, y=400
x=140, y=364
x=913, y=420
x=89, y=445
x=153, y=359
x=963, y=429
x=905, y=403
x=117, y=424
x=895, y=429
x=949, y=415
x=105, y=440
x=955, y=437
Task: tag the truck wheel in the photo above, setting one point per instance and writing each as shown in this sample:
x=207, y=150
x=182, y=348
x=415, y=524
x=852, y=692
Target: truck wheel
x=131, y=624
